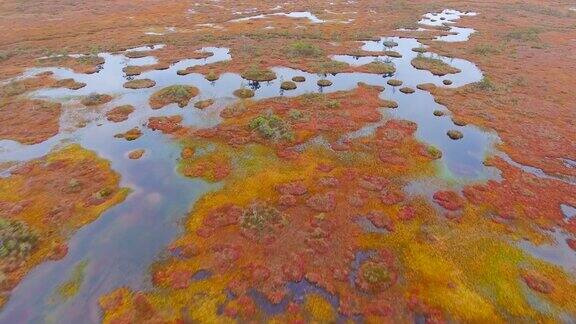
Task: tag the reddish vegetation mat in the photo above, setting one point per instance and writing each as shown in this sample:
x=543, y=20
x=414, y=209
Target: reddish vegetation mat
x=29, y=121
x=81, y=187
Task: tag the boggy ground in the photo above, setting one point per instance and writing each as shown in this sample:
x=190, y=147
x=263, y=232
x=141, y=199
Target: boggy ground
x=337, y=218
x=44, y=201
x=452, y=259
x=523, y=48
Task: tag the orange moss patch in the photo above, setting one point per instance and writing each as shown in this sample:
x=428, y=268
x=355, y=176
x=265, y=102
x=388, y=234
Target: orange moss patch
x=19, y=87
x=69, y=84
x=130, y=135
x=435, y=66
x=139, y=84
x=179, y=94
x=85, y=64
x=165, y=124
x=136, y=154
x=306, y=116
x=96, y=99
x=522, y=196
x=29, y=121
x=53, y=196
x=120, y=113
x=203, y=104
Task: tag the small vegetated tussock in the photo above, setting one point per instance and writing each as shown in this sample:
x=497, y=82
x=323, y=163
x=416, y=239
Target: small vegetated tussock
x=455, y=134
x=130, y=135
x=139, y=84
x=271, y=126
x=211, y=76
x=380, y=67
x=258, y=73
x=487, y=49
x=202, y=104
x=420, y=49
x=244, y=93
x=259, y=216
x=407, y=90
x=434, y=65
x=392, y=54
x=136, y=154
x=288, y=85
x=304, y=49
x=525, y=34
x=331, y=67
x=136, y=54
x=69, y=84
x=485, y=84
x=179, y=94
x=120, y=113
x=324, y=82
x=96, y=99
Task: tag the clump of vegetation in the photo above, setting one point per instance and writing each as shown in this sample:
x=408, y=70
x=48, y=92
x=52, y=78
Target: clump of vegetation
x=91, y=59
x=136, y=54
x=298, y=79
x=136, y=154
x=17, y=240
x=130, y=135
x=434, y=65
x=389, y=43
x=434, y=152
x=394, y=82
x=392, y=54
x=272, y=126
x=389, y=104
x=324, y=83
x=407, y=90
x=486, y=49
x=529, y=34
x=302, y=48
x=438, y=113
x=70, y=288
x=332, y=67
x=447, y=82
x=420, y=49
x=260, y=216
x=374, y=277
x=119, y=113
x=69, y=83
x=454, y=134
x=96, y=99
x=139, y=84
x=426, y=86
x=333, y=104
x=4, y=56
x=103, y=193
x=131, y=70
x=288, y=85
x=458, y=122
x=485, y=84
x=179, y=94
x=212, y=76
x=244, y=93
x=380, y=67
x=257, y=73
x=296, y=115
x=204, y=103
